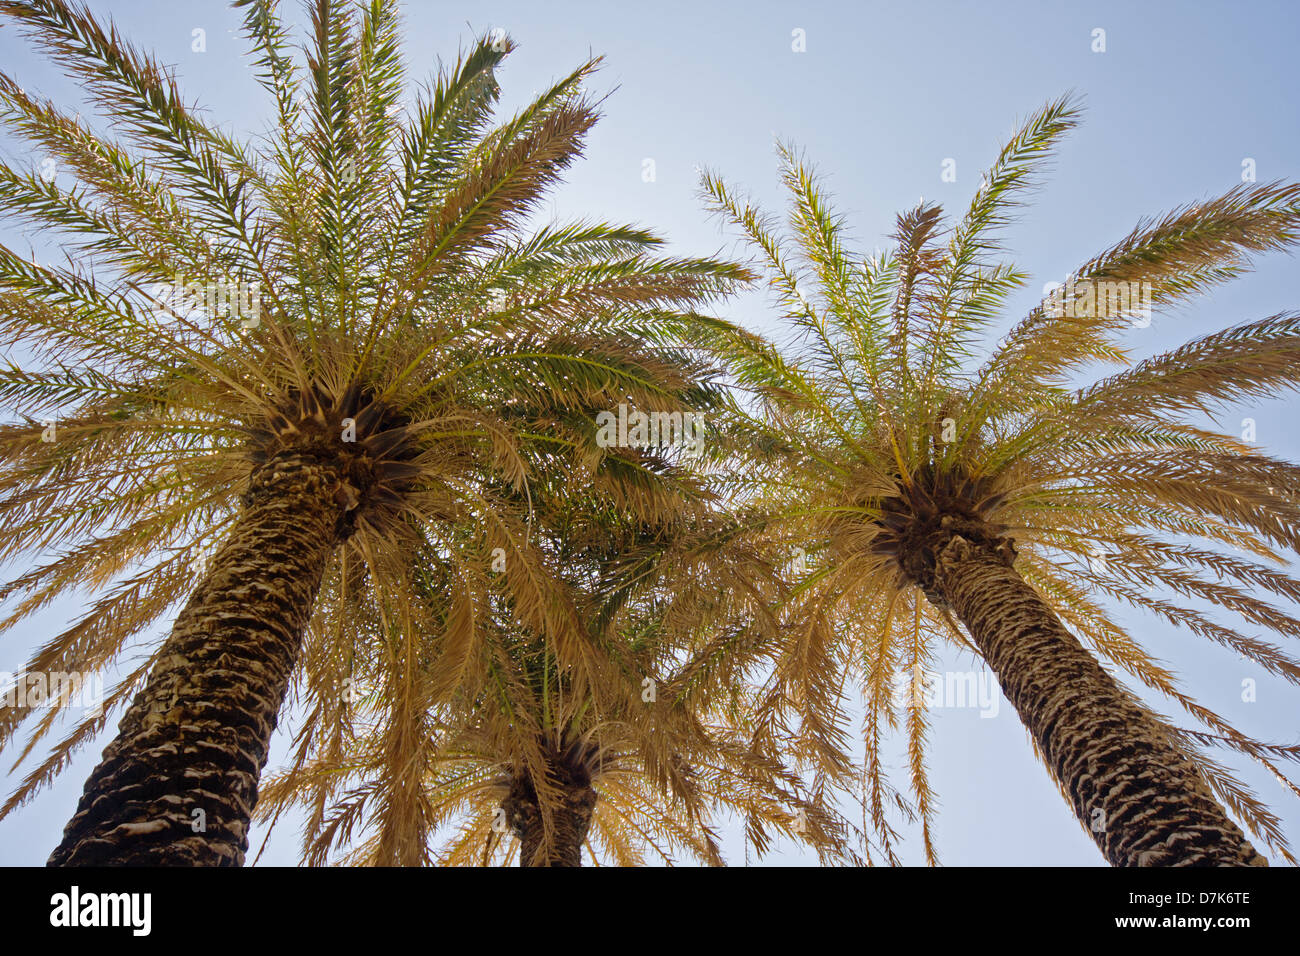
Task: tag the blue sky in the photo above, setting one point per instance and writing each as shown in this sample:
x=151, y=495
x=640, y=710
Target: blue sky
x=880, y=97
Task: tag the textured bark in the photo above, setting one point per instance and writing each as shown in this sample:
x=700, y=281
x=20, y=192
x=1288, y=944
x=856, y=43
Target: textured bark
x=569, y=823
x=1143, y=802
x=195, y=738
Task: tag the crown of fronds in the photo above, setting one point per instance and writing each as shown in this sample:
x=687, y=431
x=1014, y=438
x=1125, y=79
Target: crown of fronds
x=366, y=267
x=883, y=422
x=459, y=703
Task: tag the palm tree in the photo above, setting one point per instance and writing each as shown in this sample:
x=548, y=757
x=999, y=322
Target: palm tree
x=372, y=308
x=624, y=752
x=480, y=774
x=993, y=504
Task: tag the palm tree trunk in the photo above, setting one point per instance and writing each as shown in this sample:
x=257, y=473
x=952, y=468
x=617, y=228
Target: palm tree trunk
x=569, y=824
x=1142, y=800
x=178, y=784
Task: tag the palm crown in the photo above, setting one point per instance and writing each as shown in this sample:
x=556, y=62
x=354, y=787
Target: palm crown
x=381, y=317
x=475, y=717
x=528, y=769
x=890, y=438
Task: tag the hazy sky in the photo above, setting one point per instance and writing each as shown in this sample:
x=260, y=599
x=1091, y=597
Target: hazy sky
x=881, y=95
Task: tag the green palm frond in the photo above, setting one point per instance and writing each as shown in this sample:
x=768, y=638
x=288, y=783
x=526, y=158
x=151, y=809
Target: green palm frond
x=385, y=276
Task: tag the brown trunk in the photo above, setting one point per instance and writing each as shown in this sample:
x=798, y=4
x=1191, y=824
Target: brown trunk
x=569, y=823
x=1141, y=799
x=178, y=784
